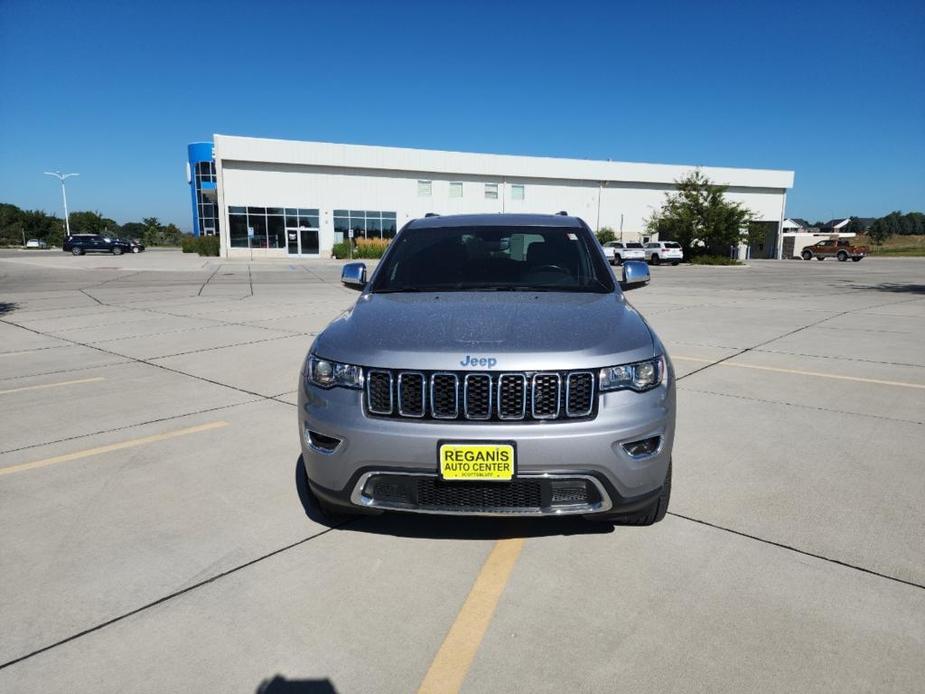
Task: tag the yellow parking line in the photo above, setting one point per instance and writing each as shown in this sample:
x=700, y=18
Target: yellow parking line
x=452, y=662
x=52, y=385
x=131, y=443
x=800, y=372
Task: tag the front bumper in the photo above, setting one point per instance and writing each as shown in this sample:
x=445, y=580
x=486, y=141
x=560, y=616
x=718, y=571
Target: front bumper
x=554, y=455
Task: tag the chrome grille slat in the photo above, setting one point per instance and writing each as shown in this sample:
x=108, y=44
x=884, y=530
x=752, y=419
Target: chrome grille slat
x=546, y=395
x=477, y=396
x=508, y=409
x=481, y=396
x=441, y=393
x=378, y=379
x=411, y=393
x=579, y=388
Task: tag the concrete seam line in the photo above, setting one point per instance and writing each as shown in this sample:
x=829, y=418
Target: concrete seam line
x=804, y=552
x=789, y=333
x=121, y=445
x=164, y=599
x=42, y=386
x=796, y=404
x=135, y=425
x=800, y=372
x=454, y=658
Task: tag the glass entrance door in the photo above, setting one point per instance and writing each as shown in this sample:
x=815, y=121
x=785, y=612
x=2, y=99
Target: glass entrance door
x=308, y=240
x=292, y=241
x=302, y=241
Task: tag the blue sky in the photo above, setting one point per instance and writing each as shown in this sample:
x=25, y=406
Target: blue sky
x=834, y=91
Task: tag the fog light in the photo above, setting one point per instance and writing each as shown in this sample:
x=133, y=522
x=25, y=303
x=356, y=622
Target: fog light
x=643, y=447
x=320, y=442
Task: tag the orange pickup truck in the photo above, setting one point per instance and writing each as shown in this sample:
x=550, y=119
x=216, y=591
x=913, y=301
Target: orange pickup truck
x=835, y=248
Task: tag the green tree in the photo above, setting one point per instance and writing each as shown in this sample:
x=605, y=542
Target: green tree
x=700, y=212
x=152, y=232
x=133, y=230
x=86, y=222
x=855, y=226
x=879, y=231
x=605, y=234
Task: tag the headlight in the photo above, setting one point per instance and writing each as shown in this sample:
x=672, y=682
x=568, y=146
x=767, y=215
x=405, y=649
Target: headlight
x=327, y=374
x=643, y=375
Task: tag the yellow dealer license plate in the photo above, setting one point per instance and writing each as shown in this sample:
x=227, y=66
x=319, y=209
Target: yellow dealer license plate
x=476, y=461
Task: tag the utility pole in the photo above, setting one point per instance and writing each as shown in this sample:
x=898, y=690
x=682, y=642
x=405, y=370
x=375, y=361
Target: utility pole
x=60, y=176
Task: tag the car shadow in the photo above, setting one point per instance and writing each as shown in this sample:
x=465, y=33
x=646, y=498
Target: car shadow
x=7, y=307
x=415, y=525
x=280, y=685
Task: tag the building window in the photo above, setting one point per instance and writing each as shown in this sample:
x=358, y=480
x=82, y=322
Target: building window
x=425, y=189
x=491, y=191
x=365, y=223
x=267, y=225
x=206, y=207
x=456, y=189
x=517, y=191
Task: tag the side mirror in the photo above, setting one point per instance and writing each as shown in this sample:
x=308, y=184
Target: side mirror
x=635, y=275
x=354, y=276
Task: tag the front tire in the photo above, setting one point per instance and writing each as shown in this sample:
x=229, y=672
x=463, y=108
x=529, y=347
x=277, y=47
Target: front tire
x=136, y=249
x=619, y=259
x=856, y=260
x=807, y=255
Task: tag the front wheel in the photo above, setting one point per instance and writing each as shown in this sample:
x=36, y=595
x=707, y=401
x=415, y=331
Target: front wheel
x=842, y=256
x=807, y=255
x=857, y=260
x=655, y=259
x=619, y=259
x=136, y=249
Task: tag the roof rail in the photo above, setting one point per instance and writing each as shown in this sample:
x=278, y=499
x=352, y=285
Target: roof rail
x=431, y=214
x=562, y=213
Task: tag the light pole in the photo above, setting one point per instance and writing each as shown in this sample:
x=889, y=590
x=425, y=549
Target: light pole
x=60, y=176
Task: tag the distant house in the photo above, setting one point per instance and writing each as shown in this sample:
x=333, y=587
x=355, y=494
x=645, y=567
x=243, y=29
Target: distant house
x=835, y=226
x=796, y=225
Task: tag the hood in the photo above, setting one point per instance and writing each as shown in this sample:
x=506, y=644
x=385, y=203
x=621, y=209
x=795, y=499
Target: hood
x=487, y=331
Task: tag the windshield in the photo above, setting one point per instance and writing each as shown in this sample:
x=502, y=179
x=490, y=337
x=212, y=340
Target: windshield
x=502, y=258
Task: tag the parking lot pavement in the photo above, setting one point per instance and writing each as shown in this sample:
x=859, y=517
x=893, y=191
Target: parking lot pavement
x=155, y=537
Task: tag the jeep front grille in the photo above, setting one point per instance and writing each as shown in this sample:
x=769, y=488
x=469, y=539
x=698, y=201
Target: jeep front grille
x=544, y=395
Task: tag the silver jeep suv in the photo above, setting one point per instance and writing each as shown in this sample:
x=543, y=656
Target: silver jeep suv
x=490, y=366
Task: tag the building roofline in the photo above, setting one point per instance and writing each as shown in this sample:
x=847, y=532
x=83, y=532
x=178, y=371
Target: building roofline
x=498, y=166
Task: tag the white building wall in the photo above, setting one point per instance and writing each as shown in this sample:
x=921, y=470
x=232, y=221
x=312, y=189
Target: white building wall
x=273, y=173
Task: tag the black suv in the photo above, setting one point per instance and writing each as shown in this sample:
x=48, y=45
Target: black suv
x=94, y=243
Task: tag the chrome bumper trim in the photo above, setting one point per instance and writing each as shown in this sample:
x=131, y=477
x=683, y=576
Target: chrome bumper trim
x=605, y=504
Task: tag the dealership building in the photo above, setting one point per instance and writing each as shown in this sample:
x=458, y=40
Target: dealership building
x=282, y=198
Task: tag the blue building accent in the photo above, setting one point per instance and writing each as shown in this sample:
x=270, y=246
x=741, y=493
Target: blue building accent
x=202, y=181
